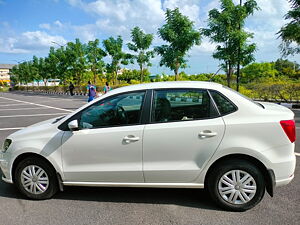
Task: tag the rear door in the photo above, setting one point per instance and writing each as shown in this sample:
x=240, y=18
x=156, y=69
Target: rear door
x=184, y=132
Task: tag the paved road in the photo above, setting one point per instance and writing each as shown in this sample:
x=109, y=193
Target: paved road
x=78, y=205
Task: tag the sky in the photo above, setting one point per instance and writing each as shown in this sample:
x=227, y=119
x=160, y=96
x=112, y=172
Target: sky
x=31, y=27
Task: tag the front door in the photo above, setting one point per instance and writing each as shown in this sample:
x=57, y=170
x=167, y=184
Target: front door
x=108, y=145
x=184, y=132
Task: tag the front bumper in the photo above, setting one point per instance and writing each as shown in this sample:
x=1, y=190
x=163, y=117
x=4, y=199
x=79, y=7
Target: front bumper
x=5, y=167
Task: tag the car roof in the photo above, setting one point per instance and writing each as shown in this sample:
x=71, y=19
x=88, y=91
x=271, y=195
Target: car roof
x=169, y=84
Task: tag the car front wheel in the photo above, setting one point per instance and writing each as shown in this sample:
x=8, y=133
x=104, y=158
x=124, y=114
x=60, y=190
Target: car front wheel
x=236, y=185
x=36, y=179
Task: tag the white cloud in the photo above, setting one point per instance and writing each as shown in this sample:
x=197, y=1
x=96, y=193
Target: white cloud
x=86, y=32
x=29, y=42
x=190, y=8
x=54, y=26
x=46, y=26
x=118, y=17
x=58, y=23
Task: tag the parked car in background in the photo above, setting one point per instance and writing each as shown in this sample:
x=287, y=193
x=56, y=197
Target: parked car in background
x=166, y=135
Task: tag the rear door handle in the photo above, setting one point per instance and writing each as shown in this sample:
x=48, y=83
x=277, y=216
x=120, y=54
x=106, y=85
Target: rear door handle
x=130, y=138
x=207, y=133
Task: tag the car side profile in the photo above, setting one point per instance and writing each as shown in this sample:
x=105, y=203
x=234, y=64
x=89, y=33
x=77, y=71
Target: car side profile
x=165, y=135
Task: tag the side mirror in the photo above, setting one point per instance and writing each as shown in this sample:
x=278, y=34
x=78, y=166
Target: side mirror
x=73, y=125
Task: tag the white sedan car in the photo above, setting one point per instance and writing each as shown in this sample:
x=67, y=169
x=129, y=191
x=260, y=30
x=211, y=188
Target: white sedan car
x=166, y=135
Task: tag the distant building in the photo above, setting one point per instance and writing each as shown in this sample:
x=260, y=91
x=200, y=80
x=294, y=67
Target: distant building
x=4, y=71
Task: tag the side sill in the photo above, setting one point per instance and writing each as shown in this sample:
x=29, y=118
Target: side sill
x=150, y=185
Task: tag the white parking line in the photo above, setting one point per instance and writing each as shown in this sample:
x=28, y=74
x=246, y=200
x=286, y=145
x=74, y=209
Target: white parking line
x=47, y=106
x=12, y=128
x=22, y=109
x=13, y=104
x=297, y=154
x=47, y=114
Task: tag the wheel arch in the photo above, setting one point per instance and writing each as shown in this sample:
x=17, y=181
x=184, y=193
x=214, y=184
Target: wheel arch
x=23, y=156
x=267, y=173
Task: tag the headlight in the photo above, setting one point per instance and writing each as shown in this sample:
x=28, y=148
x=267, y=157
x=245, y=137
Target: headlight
x=6, y=144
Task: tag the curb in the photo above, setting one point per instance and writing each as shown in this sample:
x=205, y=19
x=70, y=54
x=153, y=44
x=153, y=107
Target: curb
x=52, y=93
x=290, y=105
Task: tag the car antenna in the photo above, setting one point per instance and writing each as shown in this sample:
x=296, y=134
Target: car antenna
x=215, y=73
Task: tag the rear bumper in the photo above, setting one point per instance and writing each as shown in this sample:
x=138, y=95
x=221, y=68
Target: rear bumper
x=282, y=161
x=284, y=172
x=284, y=181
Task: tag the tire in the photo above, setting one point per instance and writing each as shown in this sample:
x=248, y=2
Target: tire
x=40, y=184
x=231, y=194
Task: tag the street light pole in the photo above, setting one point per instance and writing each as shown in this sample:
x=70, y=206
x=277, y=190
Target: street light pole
x=19, y=61
x=58, y=44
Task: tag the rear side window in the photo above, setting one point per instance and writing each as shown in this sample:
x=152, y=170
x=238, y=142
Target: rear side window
x=181, y=105
x=223, y=104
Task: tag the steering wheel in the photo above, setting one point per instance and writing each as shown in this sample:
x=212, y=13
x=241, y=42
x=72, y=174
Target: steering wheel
x=121, y=115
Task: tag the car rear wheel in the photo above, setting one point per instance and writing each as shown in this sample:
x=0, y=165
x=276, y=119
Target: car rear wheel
x=236, y=185
x=36, y=179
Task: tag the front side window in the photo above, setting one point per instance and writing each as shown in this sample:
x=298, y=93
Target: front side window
x=123, y=109
x=181, y=105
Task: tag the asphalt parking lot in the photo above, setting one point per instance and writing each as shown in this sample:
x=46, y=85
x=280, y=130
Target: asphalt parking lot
x=85, y=205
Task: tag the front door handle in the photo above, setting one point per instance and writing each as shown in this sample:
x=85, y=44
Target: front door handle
x=207, y=134
x=130, y=138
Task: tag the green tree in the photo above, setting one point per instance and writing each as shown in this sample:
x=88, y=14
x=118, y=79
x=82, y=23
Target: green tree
x=52, y=63
x=258, y=71
x=290, y=33
x=288, y=68
x=75, y=56
x=113, y=48
x=63, y=64
x=140, y=43
x=35, y=70
x=44, y=68
x=14, y=74
x=181, y=36
x=94, y=55
x=24, y=72
x=225, y=27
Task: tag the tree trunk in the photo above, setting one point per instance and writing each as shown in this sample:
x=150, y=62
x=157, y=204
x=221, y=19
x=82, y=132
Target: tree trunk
x=95, y=77
x=142, y=72
x=238, y=63
x=229, y=71
x=116, y=77
x=77, y=79
x=238, y=77
x=176, y=71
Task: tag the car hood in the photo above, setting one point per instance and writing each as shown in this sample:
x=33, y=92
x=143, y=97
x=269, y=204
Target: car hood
x=36, y=129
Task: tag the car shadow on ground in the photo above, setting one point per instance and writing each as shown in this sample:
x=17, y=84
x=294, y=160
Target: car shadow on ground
x=195, y=198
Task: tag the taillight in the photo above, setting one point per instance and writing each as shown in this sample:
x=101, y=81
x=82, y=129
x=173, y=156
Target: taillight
x=289, y=128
